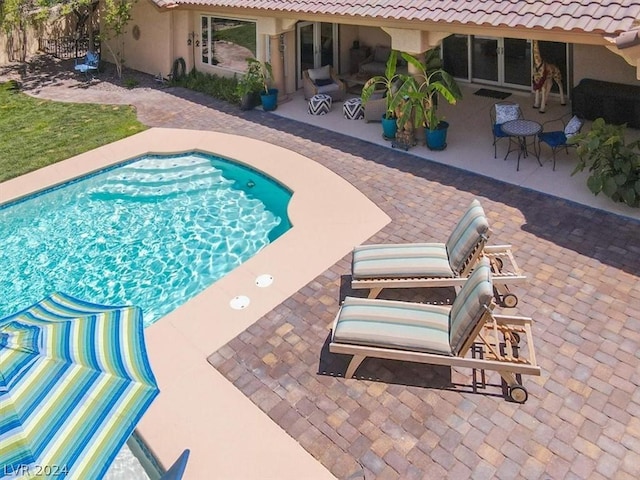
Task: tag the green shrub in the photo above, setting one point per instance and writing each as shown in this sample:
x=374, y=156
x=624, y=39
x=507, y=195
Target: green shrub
x=251, y=81
x=613, y=164
x=223, y=88
x=11, y=86
x=130, y=83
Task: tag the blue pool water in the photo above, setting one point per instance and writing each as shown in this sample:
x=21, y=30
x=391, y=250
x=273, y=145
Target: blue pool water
x=153, y=232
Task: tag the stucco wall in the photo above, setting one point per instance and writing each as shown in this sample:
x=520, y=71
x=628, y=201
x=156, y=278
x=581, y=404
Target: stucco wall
x=150, y=53
x=11, y=45
x=601, y=64
x=348, y=34
x=290, y=61
x=183, y=27
x=372, y=36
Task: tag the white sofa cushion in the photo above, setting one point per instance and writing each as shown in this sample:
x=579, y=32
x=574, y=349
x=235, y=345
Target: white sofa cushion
x=321, y=73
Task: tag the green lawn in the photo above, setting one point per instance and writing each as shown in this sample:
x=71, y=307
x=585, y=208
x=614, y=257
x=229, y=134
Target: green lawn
x=35, y=133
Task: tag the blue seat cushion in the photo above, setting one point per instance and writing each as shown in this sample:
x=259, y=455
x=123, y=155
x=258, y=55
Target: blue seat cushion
x=497, y=131
x=553, y=139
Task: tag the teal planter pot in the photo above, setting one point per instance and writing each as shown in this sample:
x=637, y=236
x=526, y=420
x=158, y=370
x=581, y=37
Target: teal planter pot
x=437, y=139
x=270, y=100
x=389, y=128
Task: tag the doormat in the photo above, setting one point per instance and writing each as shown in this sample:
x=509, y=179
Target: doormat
x=485, y=92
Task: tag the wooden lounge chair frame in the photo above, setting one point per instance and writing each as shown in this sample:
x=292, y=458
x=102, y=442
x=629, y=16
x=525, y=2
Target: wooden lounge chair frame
x=373, y=265
x=503, y=265
x=495, y=339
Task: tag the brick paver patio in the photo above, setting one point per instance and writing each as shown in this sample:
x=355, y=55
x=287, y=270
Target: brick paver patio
x=408, y=421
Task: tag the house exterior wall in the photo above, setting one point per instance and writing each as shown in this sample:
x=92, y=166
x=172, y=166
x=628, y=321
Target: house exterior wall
x=348, y=34
x=290, y=61
x=164, y=35
x=183, y=28
x=608, y=66
x=151, y=51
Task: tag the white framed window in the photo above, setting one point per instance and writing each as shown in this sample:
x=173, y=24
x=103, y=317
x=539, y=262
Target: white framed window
x=227, y=42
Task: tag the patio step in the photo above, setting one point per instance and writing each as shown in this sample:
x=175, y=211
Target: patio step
x=158, y=178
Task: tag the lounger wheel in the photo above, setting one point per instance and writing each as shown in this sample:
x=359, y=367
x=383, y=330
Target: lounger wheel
x=518, y=393
x=509, y=300
x=499, y=264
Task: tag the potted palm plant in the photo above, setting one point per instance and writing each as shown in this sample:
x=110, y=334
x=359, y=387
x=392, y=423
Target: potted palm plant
x=390, y=83
x=420, y=96
x=250, y=85
x=268, y=95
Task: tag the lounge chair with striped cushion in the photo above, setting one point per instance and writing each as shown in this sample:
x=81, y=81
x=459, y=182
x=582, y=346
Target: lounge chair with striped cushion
x=439, y=335
x=446, y=264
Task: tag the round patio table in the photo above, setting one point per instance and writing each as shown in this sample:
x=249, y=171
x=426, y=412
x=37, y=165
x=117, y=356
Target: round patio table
x=518, y=131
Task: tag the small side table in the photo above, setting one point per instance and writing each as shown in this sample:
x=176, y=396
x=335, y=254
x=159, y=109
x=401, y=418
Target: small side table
x=520, y=130
x=320, y=104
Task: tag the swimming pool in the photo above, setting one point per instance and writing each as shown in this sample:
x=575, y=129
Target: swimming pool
x=329, y=216
x=153, y=232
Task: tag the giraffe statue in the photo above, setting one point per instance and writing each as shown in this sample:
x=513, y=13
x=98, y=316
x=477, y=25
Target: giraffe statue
x=544, y=74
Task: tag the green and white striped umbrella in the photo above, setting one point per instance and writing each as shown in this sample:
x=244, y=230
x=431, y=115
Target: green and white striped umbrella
x=74, y=382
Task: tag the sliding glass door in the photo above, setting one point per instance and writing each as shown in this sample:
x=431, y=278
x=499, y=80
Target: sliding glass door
x=317, y=45
x=489, y=60
x=485, y=61
x=516, y=59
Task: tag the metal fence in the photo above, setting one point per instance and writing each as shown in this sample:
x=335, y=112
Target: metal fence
x=67, y=47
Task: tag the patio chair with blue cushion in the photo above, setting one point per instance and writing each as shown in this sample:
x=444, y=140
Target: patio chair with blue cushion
x=417, y=265
x=500, y=113
x=87, y=65
x=557, y=139
x=439, y=335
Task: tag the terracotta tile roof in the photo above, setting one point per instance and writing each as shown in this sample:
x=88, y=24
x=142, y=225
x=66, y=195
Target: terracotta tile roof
x=593, y=16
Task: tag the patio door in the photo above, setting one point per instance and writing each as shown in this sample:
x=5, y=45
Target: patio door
x=485, y=64
x=501, y=61
x=317, y=45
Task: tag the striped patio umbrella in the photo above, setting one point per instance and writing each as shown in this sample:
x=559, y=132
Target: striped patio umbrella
x=74, y=381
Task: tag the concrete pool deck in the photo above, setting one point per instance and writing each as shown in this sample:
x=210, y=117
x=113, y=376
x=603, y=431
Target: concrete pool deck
x=323, y=232
x=399, y=420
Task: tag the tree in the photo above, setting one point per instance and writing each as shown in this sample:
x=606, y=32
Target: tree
x=115, y=15
x=15, y=16
x=84, y=11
